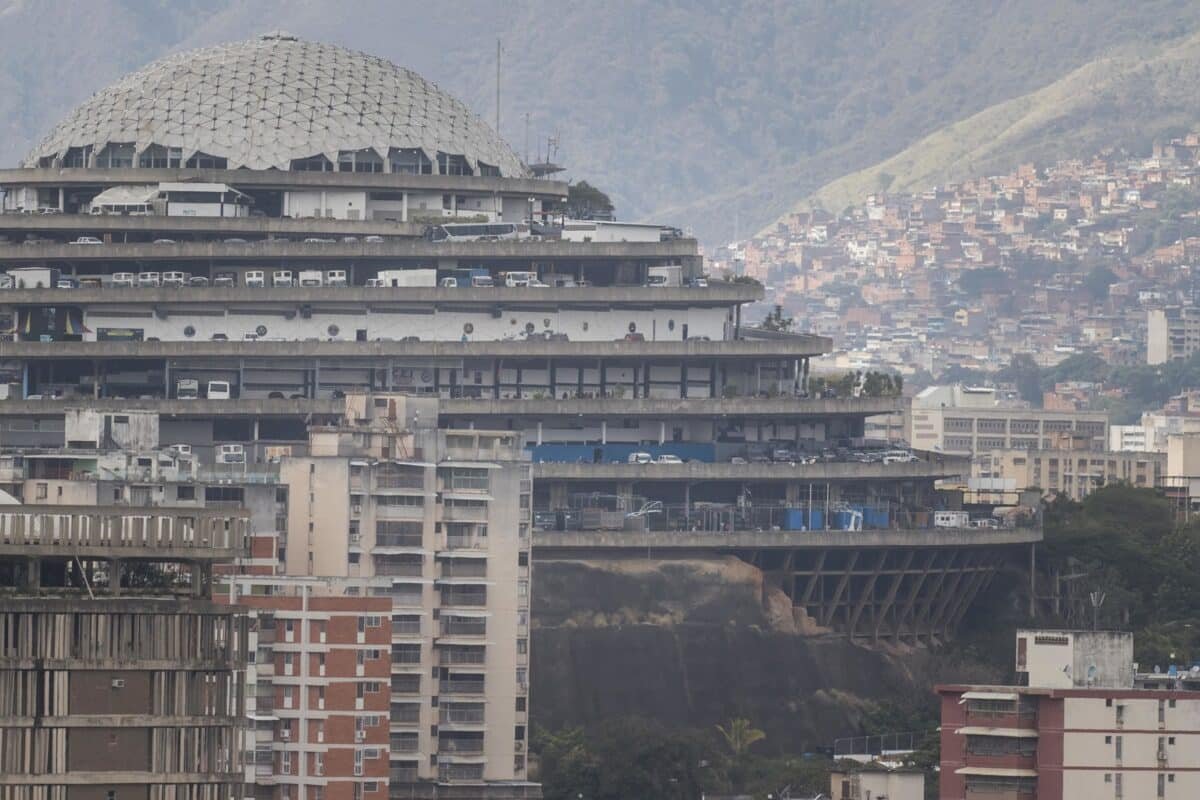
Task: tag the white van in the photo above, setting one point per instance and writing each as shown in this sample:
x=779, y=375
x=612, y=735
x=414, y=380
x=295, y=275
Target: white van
x=310, y=277
x=123, y=279
x=640, y=458
x=519, y=279
x=175, y=279
x=256, y=279
x=218, y=390
x=482, y=281
x=231, y=454
x=149, y=279
x=281, y=277
x=335, y=277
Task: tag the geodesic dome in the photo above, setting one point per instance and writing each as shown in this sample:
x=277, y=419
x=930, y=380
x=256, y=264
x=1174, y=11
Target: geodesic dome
x=268, y=102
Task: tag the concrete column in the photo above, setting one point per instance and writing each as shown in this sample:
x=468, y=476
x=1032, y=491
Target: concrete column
x=603, y=431
x=115, y=569
x=539, y=432
x=662, y=432
x=33, y=574
x=404, y=206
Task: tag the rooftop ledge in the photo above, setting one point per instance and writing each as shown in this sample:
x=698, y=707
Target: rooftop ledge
x=523, y=250
x=602, y=407
x=282, y=179
x=930, y=467
x=800, y=346
x=717, y=293
x=31, y=530
x=545, y=541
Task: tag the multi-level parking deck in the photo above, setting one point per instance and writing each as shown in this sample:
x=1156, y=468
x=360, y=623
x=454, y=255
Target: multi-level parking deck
x=899, y=584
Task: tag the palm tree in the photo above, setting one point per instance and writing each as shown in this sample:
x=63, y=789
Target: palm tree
x=740, y=735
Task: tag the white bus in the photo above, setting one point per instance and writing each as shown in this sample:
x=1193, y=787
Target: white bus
x=472, y=232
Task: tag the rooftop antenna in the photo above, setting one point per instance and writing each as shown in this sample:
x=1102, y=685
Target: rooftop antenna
x=526, y=137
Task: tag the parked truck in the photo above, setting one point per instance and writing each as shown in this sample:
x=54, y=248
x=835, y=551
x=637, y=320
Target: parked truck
x=407, y=277
x=311, y=278
x=667, y=275
x=187, y=389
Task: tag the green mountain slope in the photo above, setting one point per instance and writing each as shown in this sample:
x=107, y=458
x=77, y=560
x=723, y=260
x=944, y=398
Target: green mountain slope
x=1123, y=102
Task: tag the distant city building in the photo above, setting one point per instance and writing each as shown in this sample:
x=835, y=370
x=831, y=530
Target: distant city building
x=964, y=420
x=1172, y=334
x=876, y=782
x=1073, y=473
x=1084, y=724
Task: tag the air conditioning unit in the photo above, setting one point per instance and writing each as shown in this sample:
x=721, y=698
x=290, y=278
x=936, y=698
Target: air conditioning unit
x=519, y=747
x=360, y=736
x=285, y=734
x=358, y=770
x=231, y=454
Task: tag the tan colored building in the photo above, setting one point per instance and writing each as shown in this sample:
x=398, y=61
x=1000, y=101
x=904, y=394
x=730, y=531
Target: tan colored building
x=1071, y=472
x=444, y=515
x=964, y=420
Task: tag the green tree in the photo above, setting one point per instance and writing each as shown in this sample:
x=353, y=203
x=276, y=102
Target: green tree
x=1098, y=281
x=585, y=201
x=739, y=735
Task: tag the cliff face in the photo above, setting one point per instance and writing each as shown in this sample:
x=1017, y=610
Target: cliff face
x=695, y=643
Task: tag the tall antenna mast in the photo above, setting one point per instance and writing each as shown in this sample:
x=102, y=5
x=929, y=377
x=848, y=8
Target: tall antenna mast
x=497, y=87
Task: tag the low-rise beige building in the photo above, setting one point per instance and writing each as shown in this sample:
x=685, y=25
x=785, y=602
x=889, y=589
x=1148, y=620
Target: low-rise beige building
x=1074, y=473
x=964, y=420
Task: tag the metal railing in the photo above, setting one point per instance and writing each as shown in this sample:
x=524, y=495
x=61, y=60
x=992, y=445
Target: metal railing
x=464, y=627
x=881, y=744
x=845, y=514
x=460, y=687
x=449, y=715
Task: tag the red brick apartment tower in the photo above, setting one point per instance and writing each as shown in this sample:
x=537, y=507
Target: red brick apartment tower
x=323, y=688
x=1088, y=726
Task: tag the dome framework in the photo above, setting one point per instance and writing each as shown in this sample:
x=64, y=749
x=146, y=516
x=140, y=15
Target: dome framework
x=277, y=102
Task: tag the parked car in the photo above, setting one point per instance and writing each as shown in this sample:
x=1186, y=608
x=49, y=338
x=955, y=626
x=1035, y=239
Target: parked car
x=149, y=279
x=668, y=458
x=175, y=279
x=225, y=279
x=281, y=277
x=255, y=279
x=373, y=239
x=87, y=240
x=67, y=283
x=197, y=281
x=319, y=240
x=164, y=241
x=235, y=240
x=640, y=458
x=123, y=279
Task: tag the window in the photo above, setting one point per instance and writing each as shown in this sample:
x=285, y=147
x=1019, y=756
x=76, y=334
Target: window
x=185, y=493
x=521, y=701
x=42, y=491
x=522, y=646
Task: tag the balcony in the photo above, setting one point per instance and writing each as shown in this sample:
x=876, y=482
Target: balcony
x=461, y=715
x=405, y=743
x=464, y=569
x=403, y=775
x=461, y=745
x=464, y=627
x=406, y=714
x=459, y=686
x=464, y=597
x=399, y=569
x=466, y=543
x=455, y=655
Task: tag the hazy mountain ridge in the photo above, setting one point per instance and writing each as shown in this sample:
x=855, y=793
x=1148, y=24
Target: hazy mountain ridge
x=704, y=114
x=1111, y=102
